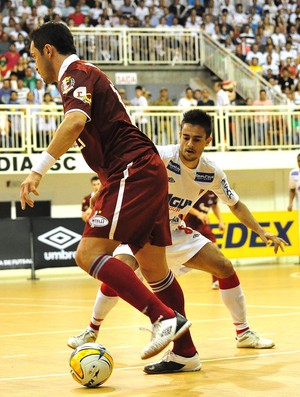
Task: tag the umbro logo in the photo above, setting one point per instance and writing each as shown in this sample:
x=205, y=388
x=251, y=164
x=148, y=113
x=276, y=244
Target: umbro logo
x=60, y=238
x=166, y=331
x=171, y=180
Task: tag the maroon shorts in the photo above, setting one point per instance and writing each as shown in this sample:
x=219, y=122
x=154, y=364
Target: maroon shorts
x=206, y=231
x=133, y=205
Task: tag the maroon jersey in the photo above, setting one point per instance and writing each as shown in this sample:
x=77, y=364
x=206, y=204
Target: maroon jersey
x=86, y=203
x=203, y=204
x=109, y=140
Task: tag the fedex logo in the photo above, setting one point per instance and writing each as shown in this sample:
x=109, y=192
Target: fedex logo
x=178, y=202
x=238, y=235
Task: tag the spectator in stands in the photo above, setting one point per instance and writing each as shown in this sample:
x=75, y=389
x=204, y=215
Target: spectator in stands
x=32, y=19
x=257, y=8
x=23, y=11
x=18, y=30
x=197, y=94
x=285, y=80
x=287, y=52
x=248, y=33
x=4, y=69
x=127, y=8
x=39, y=91
x=254, y=52
x=297, y=94
x=162, y=24
x=205, y=100
x=41, y=9
x=270, y=65
x=141, y=11
x=48, y=100
x=270, y=50
x=290, y=64
x=222, y=98
x=254, y=20
x=67, y=10
x=209, y=26
x=13, y=98
x=5, y=91
x=163, y=99
x=255, y=67
x=4, y=43
x=240, y=18
x=278, y=37
x=188, y=100
x=77, y=16
x=30, y=79
x=20, y=44
x=84, y=7
x=139, y=100
x=10, y=27
x=19, y=68
x=6, y=8
x=123, y=96
x=262, y=125
x=270, y=7
x=11, y=18
x=12, y=56
x=22, y=91
x=30, y=99
x=178, y=10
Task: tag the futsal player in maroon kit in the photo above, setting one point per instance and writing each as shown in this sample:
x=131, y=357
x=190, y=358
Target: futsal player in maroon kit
x=133, y=204
x=197, y=219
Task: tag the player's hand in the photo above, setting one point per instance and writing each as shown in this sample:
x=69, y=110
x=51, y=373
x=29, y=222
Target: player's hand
x=278, y=242
x=29, y=186
x=222, y=226
x=204, y=218
x=94, y=199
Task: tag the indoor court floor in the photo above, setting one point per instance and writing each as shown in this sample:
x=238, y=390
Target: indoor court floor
x=37, y=317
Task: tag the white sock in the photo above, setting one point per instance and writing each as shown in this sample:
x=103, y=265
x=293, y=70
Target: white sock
x=234, y=300
x=103, y=305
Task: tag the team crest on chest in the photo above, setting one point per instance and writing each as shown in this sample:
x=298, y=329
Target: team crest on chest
x=67, y=84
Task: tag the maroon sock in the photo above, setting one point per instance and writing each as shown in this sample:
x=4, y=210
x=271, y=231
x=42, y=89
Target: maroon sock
x=107, y=291
x=229, y=282
x=122, y=279
x=170, y=293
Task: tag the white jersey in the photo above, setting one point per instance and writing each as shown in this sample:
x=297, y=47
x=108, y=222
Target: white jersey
x=185, y=187
x=294, y=183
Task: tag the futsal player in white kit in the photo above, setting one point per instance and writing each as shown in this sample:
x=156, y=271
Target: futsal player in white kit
x=190, y=175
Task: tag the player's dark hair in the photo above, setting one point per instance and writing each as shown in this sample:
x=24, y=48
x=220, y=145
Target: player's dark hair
x=95, y=178
x=198, y=117
x=55, y=33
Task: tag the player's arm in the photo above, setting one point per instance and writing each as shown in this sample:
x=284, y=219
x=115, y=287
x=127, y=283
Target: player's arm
x=202, y=216
x=64, y=137
x=217, y=212
x=292, y=194
x=241, y=211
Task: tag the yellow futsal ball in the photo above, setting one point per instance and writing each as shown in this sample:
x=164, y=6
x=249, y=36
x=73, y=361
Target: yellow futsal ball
x=91, y=364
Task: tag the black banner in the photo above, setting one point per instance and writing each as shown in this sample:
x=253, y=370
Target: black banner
x=55, y=241
x=15, y=251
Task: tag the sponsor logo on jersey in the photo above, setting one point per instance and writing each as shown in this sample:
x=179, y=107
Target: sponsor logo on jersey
x=204, y=177
x=296, y=172
x=60, y=238
x=67, y=84
x=98, y=221
x=171, y=180
x=178, y=203
x=80, y=93
x=174, y=167
x=226, y=188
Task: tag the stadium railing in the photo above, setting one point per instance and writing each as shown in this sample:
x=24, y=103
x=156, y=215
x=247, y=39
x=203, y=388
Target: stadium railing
x=29, y=129
x=173, y=47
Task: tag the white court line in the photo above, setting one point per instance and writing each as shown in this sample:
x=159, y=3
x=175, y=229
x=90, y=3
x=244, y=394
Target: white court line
x=137, y=327
x=232, y=358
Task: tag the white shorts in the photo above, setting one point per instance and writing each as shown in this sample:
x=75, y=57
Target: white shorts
x=186, y=244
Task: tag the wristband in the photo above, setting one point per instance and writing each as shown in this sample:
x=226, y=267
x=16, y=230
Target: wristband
x=44, y=162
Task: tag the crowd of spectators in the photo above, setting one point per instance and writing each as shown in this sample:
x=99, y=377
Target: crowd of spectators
x=265, y=34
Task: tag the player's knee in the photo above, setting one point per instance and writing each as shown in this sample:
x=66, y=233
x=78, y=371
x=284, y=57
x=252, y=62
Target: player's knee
x=225, y=268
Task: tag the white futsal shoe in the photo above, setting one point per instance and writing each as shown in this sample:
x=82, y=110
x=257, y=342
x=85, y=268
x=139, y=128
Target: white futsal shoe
x=87, y=336
x=163, y=332
x=171, y=363
x=251, y=340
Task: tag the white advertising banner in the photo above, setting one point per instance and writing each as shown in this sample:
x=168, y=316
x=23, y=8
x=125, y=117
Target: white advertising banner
x=22, y=163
